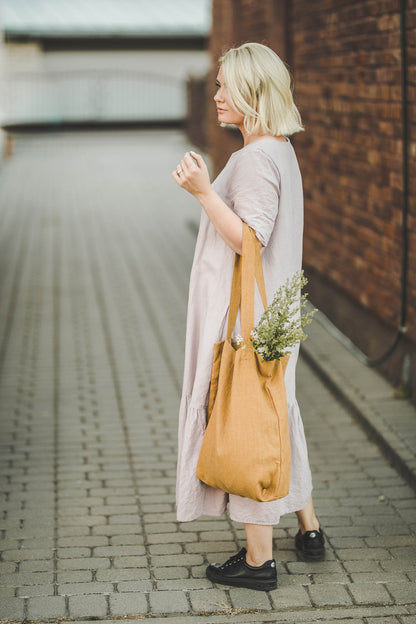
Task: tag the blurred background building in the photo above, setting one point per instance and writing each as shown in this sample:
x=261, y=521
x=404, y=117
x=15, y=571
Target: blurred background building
x=89, y=61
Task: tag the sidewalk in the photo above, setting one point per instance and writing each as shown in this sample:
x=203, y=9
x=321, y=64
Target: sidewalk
x=95, y=253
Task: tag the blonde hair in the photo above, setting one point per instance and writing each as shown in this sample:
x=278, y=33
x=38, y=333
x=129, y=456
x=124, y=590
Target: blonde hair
x=259, y=87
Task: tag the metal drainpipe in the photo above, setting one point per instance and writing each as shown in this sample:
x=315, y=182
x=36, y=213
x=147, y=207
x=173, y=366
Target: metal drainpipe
x=405, y=234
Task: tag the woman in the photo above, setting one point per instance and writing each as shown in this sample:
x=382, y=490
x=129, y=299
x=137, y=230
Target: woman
x=261, y=185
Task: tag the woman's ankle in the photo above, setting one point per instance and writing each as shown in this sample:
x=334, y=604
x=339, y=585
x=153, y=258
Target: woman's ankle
x=308, y=525
x=257, y=559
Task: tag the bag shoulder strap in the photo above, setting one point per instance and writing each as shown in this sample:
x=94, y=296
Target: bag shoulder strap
x=248, y=267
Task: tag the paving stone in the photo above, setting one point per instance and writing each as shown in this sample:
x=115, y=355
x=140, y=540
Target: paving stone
x=249, y=599
x=26, y=578
x=403, y=593
x=11, y=608
x=129, y=562
x=165, y=602
x=35, y=590
x=292, y=596
x=85, y=588
x=184, y=584
x=209, y=600
x=128, y=604
x=327, y=595
x=46, y=607
x=84, y=564
x=135, y=586
x=369, y=593
x=123, y=574
x=82, y=606
x=171, y=573
x=36, y=565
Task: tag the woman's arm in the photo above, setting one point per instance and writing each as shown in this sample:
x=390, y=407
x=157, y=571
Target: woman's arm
x=194, y=178
x=228, y=225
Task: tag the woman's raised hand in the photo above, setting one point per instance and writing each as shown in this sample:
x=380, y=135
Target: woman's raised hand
x=192, y=176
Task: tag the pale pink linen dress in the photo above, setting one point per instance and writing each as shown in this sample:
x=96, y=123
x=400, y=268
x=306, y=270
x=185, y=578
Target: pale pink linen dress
x=261, y=182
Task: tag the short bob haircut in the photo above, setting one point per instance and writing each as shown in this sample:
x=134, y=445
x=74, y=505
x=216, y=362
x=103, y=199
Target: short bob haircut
x=259, y=87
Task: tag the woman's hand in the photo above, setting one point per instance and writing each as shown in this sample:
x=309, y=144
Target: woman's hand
x=193, y=176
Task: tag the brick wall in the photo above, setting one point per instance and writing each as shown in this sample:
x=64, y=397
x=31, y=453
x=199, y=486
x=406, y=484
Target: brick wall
x=345, y=58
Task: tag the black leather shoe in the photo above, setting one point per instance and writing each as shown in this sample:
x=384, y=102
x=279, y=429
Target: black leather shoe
x=236, y=571
x=310, y=545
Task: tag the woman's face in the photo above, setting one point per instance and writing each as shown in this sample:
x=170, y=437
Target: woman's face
x=226, y=113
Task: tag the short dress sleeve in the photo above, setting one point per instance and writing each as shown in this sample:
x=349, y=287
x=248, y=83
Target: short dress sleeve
x=255, y=191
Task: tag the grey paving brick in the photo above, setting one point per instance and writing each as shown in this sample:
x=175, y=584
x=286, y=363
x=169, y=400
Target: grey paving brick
x=88, y=541
x=176, y=560
x=36, y=565
x=352, y=554
x=82, y=606
x=330, y=578
x=75, y=576
x=46, y=607
x=128, y=604
x=123, y=574
x=85, y=588
x=130, y=562
x=22, y=554
x=369, y=593
x=83, y=564
x=73, y=553
x=403, y=593
x=165, y=549
x=249, y=599
x=116, y=529
x=290, y=596
x=7, y=567
x=26, y=578
x=327, y=595
x=124, y=540
x=301, y=567
x=171, y=573
x=11, y=608
x=169, y=538
x=184, y=584
x=169, y=601
x=134, y=586
x=35, y=590
x=209, y=600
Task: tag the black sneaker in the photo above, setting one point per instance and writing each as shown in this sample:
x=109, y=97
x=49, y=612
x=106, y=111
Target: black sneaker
x=236, y=571
x=310, y=545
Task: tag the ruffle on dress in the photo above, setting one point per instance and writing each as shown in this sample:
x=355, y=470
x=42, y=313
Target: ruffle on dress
x=195, y=498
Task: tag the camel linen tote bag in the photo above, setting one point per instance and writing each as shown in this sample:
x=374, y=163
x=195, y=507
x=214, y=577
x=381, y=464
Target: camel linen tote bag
x=246, y=446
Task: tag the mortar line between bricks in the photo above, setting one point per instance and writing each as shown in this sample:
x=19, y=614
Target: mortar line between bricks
x=99, y=293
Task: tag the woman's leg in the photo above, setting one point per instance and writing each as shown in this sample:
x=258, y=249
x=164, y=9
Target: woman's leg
x=307, y=519
x=259, y=543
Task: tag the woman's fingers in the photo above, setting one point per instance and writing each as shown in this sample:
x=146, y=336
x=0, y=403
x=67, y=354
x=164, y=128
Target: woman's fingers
x=198, y=158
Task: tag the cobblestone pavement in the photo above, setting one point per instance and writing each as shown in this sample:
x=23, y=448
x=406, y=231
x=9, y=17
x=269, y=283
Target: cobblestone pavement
x=96, y=248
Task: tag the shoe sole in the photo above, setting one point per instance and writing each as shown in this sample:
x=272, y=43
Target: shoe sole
x=308, y=557
x=265, y=586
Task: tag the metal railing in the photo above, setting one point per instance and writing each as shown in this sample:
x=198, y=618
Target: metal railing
x=96, y=96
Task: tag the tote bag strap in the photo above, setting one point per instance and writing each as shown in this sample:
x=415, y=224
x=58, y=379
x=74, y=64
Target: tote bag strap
x=247, y=268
